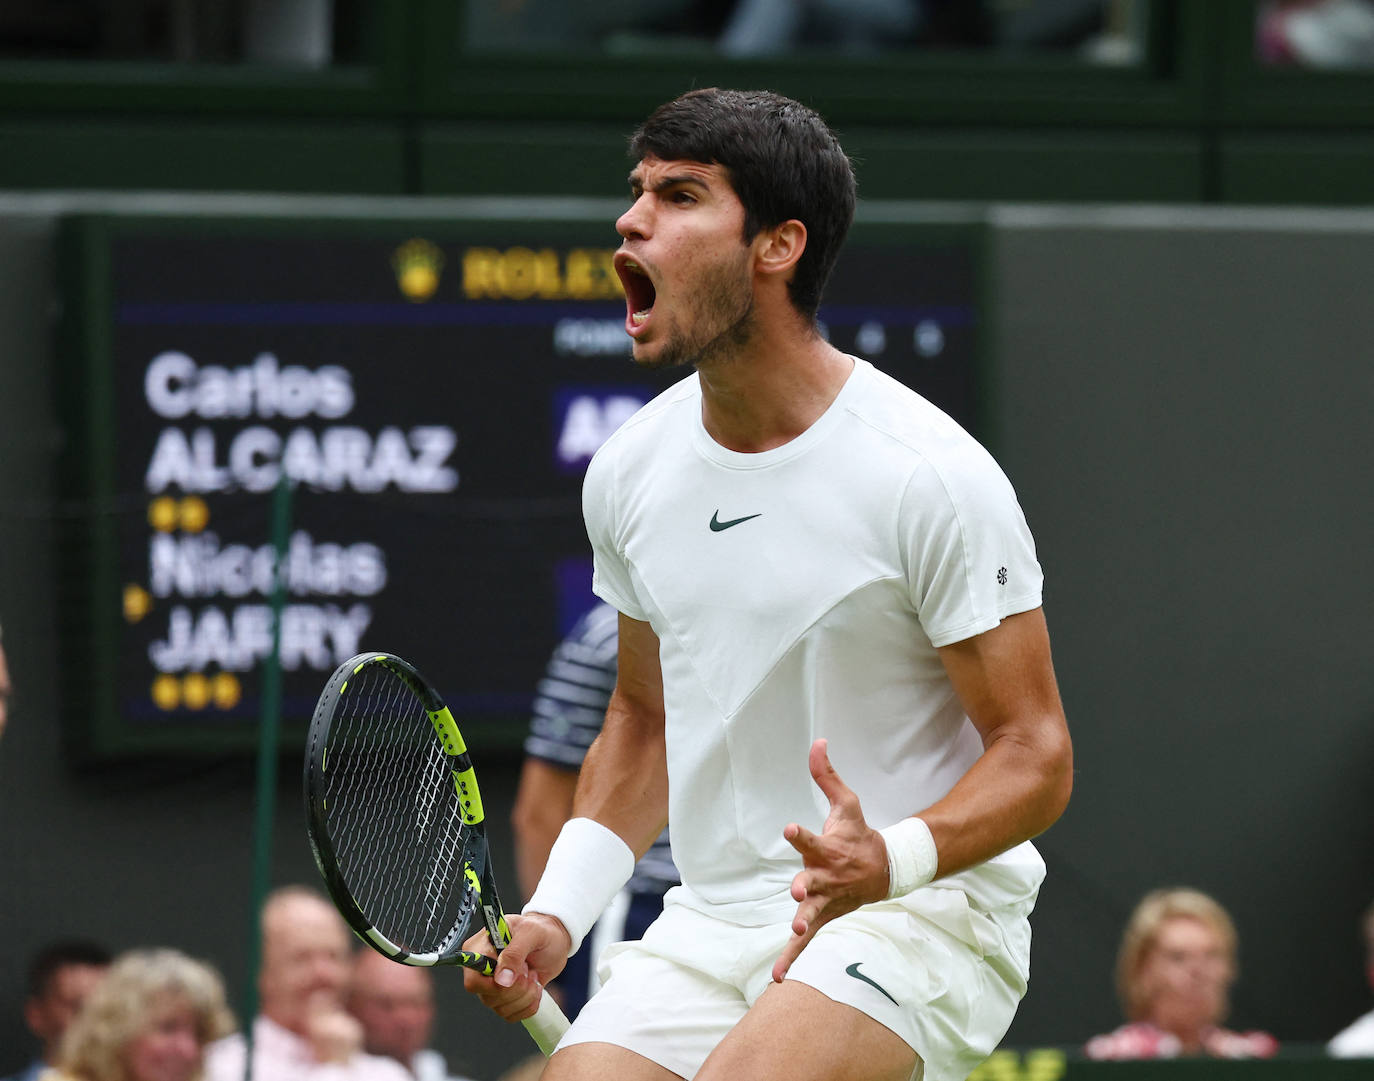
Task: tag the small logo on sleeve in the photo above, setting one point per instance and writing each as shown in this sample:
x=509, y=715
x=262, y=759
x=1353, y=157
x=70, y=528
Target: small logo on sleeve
x=1001, y=576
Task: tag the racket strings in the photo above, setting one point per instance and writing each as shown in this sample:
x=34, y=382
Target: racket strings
x=392, y=812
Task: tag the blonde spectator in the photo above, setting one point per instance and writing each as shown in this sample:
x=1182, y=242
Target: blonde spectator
x=149, y=1019
x=1174, y=974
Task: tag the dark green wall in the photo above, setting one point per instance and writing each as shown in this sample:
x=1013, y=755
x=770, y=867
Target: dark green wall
x=1183, y=401
x=1196, y=121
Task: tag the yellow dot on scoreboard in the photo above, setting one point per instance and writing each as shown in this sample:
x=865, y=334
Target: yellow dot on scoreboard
x=166, y=692
x=195, y=690
x=162, y=514
x=195, y=515
x=137, y=602
x=225, y=690
x=419, y=282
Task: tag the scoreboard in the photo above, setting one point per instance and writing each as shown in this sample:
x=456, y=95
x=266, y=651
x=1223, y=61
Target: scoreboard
x=432, y=391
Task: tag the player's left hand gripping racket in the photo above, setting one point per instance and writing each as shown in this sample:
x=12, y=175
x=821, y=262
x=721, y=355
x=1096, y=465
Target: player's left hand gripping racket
x=396, y=823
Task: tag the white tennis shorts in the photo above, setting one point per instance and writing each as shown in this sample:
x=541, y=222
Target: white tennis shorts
x=943, y=976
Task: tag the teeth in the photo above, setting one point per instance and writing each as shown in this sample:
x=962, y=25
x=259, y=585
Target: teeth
x=630, y=264
x=638, y=317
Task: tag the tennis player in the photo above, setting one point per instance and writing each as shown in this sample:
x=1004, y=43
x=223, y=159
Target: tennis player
x=834, y=672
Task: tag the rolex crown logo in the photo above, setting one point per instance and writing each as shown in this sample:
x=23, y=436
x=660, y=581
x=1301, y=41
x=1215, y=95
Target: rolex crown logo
x=417, y=264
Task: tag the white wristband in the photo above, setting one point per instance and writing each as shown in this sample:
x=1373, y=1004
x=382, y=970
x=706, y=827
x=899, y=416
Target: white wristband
x=587, y=867
x=911, y=857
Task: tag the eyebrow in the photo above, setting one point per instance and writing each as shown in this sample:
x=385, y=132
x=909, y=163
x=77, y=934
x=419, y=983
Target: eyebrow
x=666, y=182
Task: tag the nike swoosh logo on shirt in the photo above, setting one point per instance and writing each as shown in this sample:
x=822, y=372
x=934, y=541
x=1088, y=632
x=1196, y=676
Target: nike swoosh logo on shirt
x=717, y=525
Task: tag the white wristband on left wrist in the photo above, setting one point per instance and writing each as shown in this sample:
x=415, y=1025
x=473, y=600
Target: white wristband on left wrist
x=911, y=857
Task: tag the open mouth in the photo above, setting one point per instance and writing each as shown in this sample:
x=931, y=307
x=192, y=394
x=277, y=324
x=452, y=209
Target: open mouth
x=639, y=292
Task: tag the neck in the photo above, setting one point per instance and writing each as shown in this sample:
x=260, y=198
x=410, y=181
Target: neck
x=294, y=1024
x=1189, y=1032
x=772, y=390
x=1191, y=1038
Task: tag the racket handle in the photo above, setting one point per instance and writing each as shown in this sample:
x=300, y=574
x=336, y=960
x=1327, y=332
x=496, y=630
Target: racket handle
x=547, y=1025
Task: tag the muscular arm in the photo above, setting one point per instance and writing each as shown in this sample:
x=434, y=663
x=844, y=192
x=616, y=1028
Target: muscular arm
x=624, y=779
x=1016, y=789
x=1020, y=785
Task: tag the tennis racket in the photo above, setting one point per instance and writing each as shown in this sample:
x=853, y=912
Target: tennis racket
x=396, y=823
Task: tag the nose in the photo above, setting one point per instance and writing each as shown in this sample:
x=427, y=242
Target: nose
x=187, y=1051
x=634, y=223
x=328, y=973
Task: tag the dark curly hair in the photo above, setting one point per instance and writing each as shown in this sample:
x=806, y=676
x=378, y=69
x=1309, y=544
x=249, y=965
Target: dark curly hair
x=780, y=157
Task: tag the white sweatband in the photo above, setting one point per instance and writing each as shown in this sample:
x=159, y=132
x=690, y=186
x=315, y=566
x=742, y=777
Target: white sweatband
x=587, y=867
x=911, y=857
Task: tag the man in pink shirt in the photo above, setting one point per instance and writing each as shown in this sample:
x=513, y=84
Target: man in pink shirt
x=302, y=1031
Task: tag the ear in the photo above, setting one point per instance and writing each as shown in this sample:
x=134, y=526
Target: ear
x=36, y=1019
x=780, y=248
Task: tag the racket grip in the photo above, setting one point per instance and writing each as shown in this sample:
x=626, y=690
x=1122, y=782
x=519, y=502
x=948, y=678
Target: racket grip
x=547, y=1025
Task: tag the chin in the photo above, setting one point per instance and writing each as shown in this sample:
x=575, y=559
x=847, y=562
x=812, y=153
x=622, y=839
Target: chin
x=658, y=360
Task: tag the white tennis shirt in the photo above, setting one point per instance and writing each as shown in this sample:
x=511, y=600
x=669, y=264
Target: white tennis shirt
x=800, y=593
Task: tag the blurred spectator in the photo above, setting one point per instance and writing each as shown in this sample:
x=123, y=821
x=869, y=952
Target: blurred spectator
x=395, y=1005
x=1174, y=973
x=302, y=1031
x=300, y=33
x=769, y=27
x=528, y=25
x=61, y=975
x=289, y=33
x=1357, y=1040
x=772, y=27
x=569, y=709
x=4, y=687
x=1099, y=31
x=149, y=1019
x=1316, y=33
